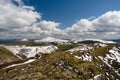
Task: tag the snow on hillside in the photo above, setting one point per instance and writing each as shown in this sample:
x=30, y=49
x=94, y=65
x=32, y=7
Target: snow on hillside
x=30, y=51
x=99, y=40
x=112, y=59
x=26, y=62
x=102, y=41
x=50, y=39
x=114, y=54
x=85, y=57
x=24, y=40
x=80, y=48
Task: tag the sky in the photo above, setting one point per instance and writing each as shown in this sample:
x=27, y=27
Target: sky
x=68, y=12
x=68, y=19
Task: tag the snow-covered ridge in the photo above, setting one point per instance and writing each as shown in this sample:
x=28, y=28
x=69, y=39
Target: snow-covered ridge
x=24, y=40
x=99, y=40
x=30, y=51
x=51, y=39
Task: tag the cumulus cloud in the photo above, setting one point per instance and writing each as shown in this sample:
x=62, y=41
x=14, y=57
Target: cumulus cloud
x=12, y=16
x=49, y=28
x=47, y=25
x=21, y=21
x=105, y=26
x=15, y=17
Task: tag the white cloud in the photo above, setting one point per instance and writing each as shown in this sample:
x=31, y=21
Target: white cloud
x=42, y=28
x=104, y=26
x=14, y=17
x=49, y=28
x=21, y=22
x=47, y=25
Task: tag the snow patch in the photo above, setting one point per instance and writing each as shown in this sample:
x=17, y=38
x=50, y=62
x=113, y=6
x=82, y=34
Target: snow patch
x=105, y=60
x=102, y=45
x=26, y=62
x=24, y=40
x=80, y=48
x=85, y=57
x=30, y=51
x=114, y=54
x=97, y=77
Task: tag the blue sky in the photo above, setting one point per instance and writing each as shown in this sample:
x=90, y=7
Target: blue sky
x=68, y=12
x=68, y=19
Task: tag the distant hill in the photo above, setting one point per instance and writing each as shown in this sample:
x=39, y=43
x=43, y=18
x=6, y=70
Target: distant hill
x=51, y=39
x=88, y=42
x=116, y=40
x=7, y=40
x=92, y=41
x=99, y=61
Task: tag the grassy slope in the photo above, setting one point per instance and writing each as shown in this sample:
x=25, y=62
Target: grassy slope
x=46, y=68
x=102, y=50
x=6, y=56
x=64, y=47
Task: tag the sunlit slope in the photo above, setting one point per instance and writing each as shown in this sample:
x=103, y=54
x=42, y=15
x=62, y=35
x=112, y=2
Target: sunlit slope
x=82, y=62
x=6, y=56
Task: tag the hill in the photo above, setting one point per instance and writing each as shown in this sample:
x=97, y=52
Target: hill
x=97, y=61
x=6, y=56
